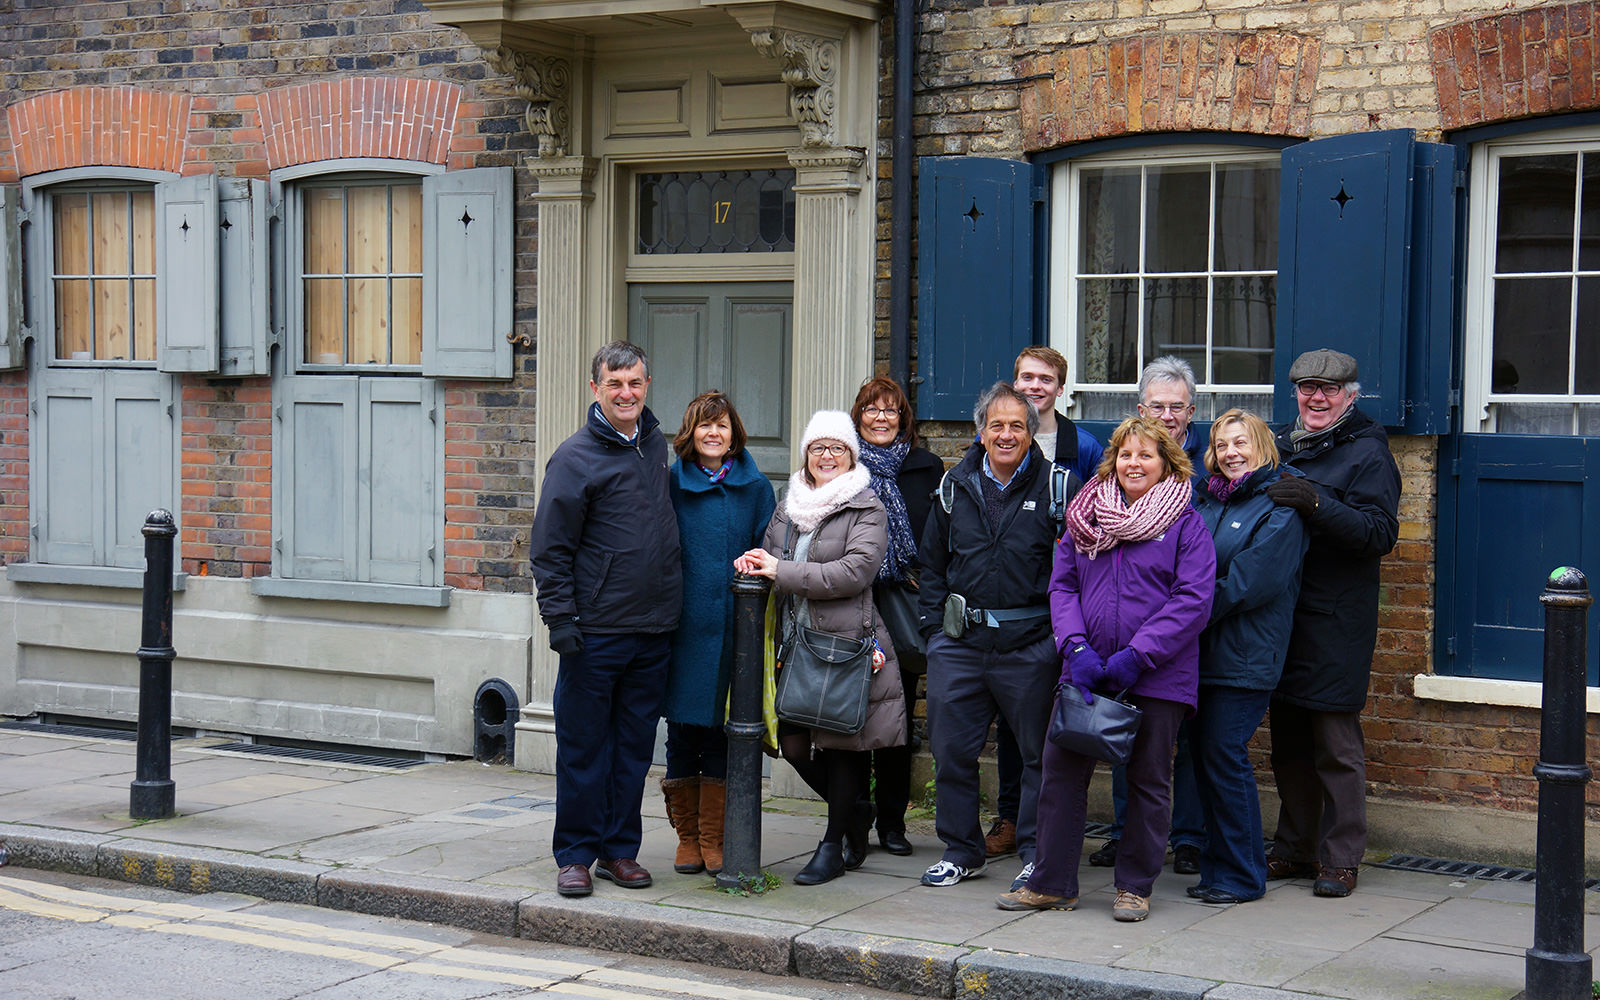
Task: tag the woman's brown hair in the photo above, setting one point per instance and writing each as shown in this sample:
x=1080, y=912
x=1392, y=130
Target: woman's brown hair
x=885, y=388
x=1177, y=463
x=703, y=409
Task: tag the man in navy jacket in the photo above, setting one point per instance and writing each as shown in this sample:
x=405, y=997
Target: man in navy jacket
x=605, y=561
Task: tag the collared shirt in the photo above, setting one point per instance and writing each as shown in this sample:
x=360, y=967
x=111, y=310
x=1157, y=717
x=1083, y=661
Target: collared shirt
x=989, y=471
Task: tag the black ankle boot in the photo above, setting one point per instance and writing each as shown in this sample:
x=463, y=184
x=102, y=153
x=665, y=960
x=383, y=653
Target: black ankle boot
x=855, y=837
x=825, y=865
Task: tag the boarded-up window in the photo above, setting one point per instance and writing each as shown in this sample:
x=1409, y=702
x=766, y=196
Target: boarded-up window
x=104, y=275
x=362, y=274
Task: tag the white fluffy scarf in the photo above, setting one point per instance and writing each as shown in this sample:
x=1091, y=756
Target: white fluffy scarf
x=808, y=506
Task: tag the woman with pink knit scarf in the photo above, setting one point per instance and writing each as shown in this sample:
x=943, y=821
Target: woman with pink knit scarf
x=1130, y=593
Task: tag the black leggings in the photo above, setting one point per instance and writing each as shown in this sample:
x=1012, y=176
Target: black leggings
x=839, y=777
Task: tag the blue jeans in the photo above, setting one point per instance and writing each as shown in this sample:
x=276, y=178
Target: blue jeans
x=1234, y=858
x=1188, y=822
x=607, y=704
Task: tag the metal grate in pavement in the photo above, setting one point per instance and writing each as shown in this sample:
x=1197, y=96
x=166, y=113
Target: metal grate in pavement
x=1466, y=869
x=59, y=729
x=320, y=756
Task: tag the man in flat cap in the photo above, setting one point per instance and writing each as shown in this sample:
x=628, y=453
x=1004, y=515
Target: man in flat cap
x=1348, y=494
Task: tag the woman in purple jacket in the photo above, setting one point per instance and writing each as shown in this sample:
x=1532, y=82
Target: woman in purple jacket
x=1130, y=592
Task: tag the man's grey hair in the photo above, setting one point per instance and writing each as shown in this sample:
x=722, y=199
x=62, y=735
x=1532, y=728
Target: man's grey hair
x=616, y=356
x=1167, y=369
x=997, y=392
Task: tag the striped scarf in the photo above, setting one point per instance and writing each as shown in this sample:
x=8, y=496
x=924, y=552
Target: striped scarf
x=1099, y=518
x=884, y=464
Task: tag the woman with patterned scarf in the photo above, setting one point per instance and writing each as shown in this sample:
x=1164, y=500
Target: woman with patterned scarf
x=1129, y=595
x=905, y=479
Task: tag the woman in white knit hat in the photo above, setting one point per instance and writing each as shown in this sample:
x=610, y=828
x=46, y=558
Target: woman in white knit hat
x=831, y=532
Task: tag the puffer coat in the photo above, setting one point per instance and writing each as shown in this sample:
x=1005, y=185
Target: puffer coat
x=836, y=582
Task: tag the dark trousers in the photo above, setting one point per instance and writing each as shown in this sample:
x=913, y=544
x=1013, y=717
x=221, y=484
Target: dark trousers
x=1064, y=800
x=1188, y=821
x=696, y=751
x=966, y=687
x=1008, y=771
x=607, y=703
x=891, y=767
x=1234, y=858
x=1320, y=762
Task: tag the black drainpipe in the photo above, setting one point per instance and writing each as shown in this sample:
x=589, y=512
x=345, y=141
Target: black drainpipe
x=901, y=167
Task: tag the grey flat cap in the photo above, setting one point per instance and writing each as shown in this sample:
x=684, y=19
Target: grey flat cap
x=1324, y=366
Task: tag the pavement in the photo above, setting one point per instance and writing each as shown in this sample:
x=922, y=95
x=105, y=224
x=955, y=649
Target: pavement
x=468, y=845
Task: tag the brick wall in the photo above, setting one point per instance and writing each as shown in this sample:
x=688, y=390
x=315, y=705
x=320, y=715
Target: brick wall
x=234, y=89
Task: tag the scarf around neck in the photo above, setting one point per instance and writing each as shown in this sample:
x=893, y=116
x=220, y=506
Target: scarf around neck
x=808, y=506
x=1099, y=518
x=884, y=464
x=1300, y=439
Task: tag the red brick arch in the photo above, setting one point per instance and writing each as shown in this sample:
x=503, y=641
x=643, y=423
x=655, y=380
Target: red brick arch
x=1257, y=82
x=99, y=126
x=1532, y=62
x=391, y=117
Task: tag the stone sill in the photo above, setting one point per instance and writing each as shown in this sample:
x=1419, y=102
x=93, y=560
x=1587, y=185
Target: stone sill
x=1485, y=691
x=363, y=593
x=85, y=576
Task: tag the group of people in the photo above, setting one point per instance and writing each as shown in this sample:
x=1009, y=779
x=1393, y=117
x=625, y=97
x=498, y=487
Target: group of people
x=1204, y=579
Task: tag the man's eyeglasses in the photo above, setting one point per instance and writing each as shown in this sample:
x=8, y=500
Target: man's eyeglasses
x=830, y=450
x=879, y=411
x=1328, y=389
x=1172, y=408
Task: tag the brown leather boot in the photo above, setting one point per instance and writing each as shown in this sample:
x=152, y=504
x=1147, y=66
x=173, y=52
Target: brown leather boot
x=683, y=812
x=713, y=797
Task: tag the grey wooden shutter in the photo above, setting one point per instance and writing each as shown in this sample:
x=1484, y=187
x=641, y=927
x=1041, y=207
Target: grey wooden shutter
x=11, y=352
x=314, y=477
x=398, y=513
x=244, y=291
x=467, y=273
x=138, y=427
x=186, y=274
x=68, y=468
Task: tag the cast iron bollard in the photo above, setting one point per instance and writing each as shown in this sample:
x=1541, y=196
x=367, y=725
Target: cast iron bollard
x=741, y=841
x=1557, y=966
x=151, y=795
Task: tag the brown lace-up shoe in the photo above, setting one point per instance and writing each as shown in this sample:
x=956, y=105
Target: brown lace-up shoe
x=1001, y=839
x=1334, y=882
x=626, y=872
x=573, y=880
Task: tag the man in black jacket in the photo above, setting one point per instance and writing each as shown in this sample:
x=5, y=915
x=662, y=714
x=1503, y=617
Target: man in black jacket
x=1348, y=495
x=605, y=560
x=985, y=562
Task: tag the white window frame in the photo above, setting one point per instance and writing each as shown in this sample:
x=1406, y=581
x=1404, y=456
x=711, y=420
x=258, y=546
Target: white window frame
x=1478, y=410
x=1063, y=306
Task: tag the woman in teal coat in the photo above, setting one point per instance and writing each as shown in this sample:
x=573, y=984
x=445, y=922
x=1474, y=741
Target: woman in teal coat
x=723, y=503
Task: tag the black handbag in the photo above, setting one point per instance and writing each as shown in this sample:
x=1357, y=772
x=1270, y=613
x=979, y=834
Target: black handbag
x=897, y=606
x=825, y=679
x=1103, y=729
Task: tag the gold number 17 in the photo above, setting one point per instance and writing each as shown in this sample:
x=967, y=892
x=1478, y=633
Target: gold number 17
x=722, y=211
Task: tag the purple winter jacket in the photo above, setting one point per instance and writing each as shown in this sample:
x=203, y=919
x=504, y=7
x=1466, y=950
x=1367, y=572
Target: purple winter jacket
x=1153, y=597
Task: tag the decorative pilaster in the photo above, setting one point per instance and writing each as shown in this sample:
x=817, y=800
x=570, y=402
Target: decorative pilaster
x=562, y=358
x=811, y=70
x=545, y=82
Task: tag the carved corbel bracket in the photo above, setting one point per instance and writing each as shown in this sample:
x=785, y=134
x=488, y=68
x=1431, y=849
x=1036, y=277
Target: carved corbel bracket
x=545, y=82
x=811, y=71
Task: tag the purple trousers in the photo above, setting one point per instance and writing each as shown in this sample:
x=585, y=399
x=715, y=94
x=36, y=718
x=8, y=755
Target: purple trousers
x=1064, y=802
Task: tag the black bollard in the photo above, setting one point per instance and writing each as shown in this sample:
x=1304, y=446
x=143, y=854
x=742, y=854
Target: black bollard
x=741, y=838
x=151, y=794
x=1557, y=966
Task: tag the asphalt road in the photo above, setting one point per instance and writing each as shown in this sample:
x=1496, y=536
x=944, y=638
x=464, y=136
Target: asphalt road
x=66, y=937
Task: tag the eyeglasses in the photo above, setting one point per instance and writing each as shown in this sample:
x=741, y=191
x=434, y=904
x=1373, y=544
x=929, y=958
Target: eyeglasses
x=830, y=450
x=1328, y=389
x=879, y=411
x=1172, y=408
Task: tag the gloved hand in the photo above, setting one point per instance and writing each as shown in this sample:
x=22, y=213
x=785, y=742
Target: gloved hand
x=565, y=638
x=1084, y=667
x=1296, y=492
x=1122, y=670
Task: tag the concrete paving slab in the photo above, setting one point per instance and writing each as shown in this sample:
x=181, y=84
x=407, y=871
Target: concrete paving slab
x=1283, y=916
x=370, y=848
x=807, y=904
x=1481, y=923
x=61, y=769
x=1089, y=933
x=1506, y=892
x=465, y=860
x=1415, y=885
x=71, y=807
x=13, y=741
x=955, y=915
x=1239, y=991
x=416, y=794
x=1222, y=957
x=988, y=974
x=1386, y=969
x=253, y=788
x=263, y=826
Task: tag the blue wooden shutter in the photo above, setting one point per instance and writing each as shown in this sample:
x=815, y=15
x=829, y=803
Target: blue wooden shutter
x=315, y=470
x=467, y=273
x=1342, y=266
x=11, y=353
x=244, y=286
x=399, y=512
x=974, y=278
x=186, y=274
x=1430, y=325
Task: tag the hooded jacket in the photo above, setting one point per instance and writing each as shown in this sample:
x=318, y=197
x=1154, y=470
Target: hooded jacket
x=1356, y=523
x=604, y=545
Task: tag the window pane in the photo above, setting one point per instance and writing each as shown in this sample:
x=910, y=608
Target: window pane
x=1532, y=318
x=1105, y=405
x=1177, y=217
x=1108, y=221
x=1533, y=418
x=1108, y=335
x=72, y=233
x=1247, y=218
x=1589, y=419
x=74, y=320
x=324, y=231
x=324, y=321
x=716, y=211
x=144, y=232
x=407, y=235
x=369, y=230
x=369, y=321
x=1243, y=313
x=111, y=321
x=1175, y=320
x=1586, y=367
x=406, y=296
x=1536, y=211
x=144, y=318
x=111, y=243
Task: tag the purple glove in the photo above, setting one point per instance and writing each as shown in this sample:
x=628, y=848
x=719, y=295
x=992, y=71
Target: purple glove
x=1122, y=670
x=1083, y=666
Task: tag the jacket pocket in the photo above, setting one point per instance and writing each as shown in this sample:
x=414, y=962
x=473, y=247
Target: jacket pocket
x=601, y=573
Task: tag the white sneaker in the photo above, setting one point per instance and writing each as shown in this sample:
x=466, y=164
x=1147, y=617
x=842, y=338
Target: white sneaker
x=1021, y=881
x=945, y=873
